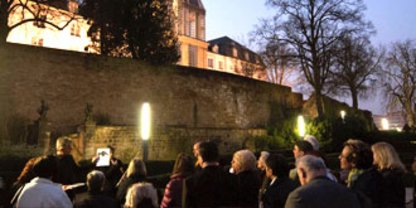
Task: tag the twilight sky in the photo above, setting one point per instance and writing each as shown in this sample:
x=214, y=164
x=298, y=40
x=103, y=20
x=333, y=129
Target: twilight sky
x=393, y=20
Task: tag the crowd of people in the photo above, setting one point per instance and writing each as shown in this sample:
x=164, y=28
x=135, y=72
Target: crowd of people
x=371, y=176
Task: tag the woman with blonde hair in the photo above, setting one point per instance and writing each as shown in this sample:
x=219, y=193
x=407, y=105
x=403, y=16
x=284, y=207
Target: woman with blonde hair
x=245, y=168
x=136, y=172
x=392, y=169
x=141, y=195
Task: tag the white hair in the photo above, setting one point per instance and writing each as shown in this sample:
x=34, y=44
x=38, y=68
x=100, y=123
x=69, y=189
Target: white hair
x=311, y=163
x=313, y=141
x=140, y=191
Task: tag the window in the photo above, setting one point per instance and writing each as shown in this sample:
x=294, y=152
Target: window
x=220, y=65
x=40, y=22
x=193, y=55
x=75, y=30
x=210, y=63
x=192, y=25
x=235, y=52
x=247, y=56
x=215, y=48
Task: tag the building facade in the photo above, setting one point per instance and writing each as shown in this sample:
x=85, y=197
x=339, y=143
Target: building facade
x=72, y=37
x=222, y=54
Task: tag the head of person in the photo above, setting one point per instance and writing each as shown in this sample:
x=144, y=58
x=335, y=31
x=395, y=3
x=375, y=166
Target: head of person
x=386, y=157
x=63, y=146
x=184, y=165
x=313, y=141
x=309, y=167
x=208, y=152
x=141, y=195
x=195, y=149
x=356, y=154
x=277, y=166
x=27, y=173
x=95, y=181
x=112, y=149
x=261, y=162
x=243, y=160
x=414, y=165
x=301, y=148
x=46, y=167
x=136, y=169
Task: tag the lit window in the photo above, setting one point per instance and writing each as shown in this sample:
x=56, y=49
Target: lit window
x=247, y=56
x=235, y=52
x=75, y=30
x=215, y=48
x=220, y=65
x=210, y=63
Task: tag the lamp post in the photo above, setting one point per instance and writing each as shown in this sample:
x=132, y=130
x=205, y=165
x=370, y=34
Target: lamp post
x=385, y=124
x=145, y=122
x=343, y=113
x=301, y=126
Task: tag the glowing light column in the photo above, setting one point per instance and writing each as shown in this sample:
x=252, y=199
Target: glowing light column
x=145, y=124
x=343, y=113
x=301, y=126
x=385, y=124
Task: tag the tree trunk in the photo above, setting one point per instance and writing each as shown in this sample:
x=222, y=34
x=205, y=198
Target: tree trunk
x=354, y=96
x=319, y=104
x=4, y=28
x=410, y=117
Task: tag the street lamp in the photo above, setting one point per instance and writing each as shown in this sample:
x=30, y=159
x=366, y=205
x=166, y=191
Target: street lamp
x=385, y=124
x=145, y=122
x=301, y=126
x=343, y=113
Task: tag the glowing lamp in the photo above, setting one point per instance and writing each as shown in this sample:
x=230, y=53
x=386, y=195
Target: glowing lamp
x=342, y=113
x=385, y=124
x=145, y=121
x=301, y=126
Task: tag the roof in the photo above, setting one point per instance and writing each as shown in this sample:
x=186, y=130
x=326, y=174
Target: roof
x=226, y=45
x=196, y=4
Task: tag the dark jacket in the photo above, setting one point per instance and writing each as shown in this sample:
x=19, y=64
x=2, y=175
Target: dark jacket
x=323, y=193
x=68, y=170
x=124, y=187
x=248, y=185
x=91, y=200
x=394, y=188
x=276, y=194
x=369, y=188
x=209, y=187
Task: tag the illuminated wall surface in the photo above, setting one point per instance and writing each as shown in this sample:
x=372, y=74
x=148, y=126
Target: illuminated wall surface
x=190, y=26
x=73, y=37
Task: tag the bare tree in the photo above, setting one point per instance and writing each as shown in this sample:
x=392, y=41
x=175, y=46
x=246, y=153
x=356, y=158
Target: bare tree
x=400, y=77
x=311, y=28
x=356, y=65
x=278, y=57
x=41, y=12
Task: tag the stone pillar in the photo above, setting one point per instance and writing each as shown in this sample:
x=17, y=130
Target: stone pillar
x=88, y=132
x=44, y=128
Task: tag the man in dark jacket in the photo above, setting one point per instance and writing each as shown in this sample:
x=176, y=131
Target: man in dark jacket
x=95, y=197
x=211, y=186
x=317, y=190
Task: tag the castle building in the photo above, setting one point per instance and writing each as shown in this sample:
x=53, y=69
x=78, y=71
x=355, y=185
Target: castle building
x=222, y=54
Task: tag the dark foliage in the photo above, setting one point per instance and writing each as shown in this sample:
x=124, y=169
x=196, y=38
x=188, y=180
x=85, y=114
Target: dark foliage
x=140, y=29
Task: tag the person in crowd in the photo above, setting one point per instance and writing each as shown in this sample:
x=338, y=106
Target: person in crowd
x=25, y=176
x=300, y=149
x=392, y=169
x=183, y=168
x=317, y=190
x=141, y=195
x=211, y=186
x=95, y=197
x=113, y=172
x=357, y=158
x=41, y=191
x=313, y=141
x=68, y=169
x=261, y=165
x=248, y=178
x=195, y=150
x=414, y=166
x=279, y=187
x=136, y=172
